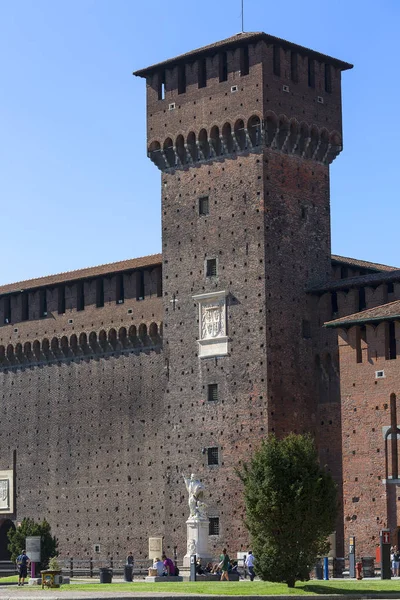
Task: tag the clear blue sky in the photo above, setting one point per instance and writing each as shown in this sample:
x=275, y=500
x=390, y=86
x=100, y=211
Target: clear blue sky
x=76, y=187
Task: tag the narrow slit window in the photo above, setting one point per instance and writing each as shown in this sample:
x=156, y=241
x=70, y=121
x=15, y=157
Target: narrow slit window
x=80, y=296
x=328, y=78
x=100, y=292
x=391, y=349
x=213, y=527
x=361, y=336
x=25, y=307
x=344, y=272
x=393, y=436
x=212, y=395
x=181, y=79
x=202, y=73
x=61, y=300
x=334, y=303
x=203, y=206
x=294, y=68
x=244, y=61
x=161, y=85
x=277, y=60
x=159, y=283
x=212, y=456
x=223, y=66
x=43, y=303
x=7, y=310
x=140, y=285
x=361, y=299
x=211, y=267
x=120, y=292
x=311, y=73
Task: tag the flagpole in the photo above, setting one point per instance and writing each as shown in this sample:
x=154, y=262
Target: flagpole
x=242, y=17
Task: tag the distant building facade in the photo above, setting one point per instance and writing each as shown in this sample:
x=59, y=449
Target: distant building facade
x=116, y=379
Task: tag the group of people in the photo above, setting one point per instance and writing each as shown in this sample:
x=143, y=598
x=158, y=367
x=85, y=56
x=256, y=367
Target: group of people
x=226, y=566
x=165, y=567
x=395, y=560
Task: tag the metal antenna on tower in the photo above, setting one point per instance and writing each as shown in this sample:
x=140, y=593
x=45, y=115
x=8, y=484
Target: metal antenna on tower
x=242, y=16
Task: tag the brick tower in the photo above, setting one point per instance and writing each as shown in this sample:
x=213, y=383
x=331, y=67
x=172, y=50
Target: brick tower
x=243, y=131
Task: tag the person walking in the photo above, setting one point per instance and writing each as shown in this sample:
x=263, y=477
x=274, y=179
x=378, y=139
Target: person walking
x=22, y=564
x=250, y=565
x=224, y=565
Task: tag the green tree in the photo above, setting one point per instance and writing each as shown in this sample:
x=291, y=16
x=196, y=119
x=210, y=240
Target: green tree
x=27, y=528
x=291, y=507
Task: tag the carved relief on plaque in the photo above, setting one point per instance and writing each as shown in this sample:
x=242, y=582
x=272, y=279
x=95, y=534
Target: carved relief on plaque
x=6, y=492
x=212, y=324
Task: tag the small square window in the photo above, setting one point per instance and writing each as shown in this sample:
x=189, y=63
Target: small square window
x=213, y=528
x=96, y=548
x=212, y=456
x=212, y=392
x=203, y=206
x=211, y=270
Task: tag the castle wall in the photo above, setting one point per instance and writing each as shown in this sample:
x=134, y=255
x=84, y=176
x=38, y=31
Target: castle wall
x=89, y=437
x=370, y=504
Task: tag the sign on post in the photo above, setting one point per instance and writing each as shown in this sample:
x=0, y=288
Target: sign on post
x=32, y=544
x=385, y=553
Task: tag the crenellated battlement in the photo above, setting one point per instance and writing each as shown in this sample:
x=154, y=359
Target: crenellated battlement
x=106, y=342
x=240, y=136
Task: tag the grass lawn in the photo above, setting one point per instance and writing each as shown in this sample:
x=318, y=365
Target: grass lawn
x=255, y=588
x=238, y=588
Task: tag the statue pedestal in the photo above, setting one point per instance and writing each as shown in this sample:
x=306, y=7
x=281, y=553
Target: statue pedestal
x=197, y=540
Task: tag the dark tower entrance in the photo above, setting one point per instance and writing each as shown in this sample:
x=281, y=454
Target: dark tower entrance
x=5, y=526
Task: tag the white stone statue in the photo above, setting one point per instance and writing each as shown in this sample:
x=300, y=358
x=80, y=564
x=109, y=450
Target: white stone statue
x=195, y=488
x=191, y=547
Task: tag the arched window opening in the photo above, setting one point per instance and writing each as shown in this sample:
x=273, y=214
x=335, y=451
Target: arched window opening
x=55, y=346
x=153, y=332
x=143, y=333
x=73, y=342
x=36, y=349
x=304, y=138
x=10, y=352
x=28, y=350
x=133, y=335
x=240, y=134
x=314, y=141
x=112, y=338
x=293, y=134
x=93, y=340
x=18, y=352
x=103, y=339
x=215, y=141
x=180, y=149
x=64, y=345
x=283, y=133
x=254, y=129
x=192, y=146
x=46, y=347
x=227, y=137
x=122, y=336
x=203, y=144
x=83, y=341
x=271, y=127
x=155, y=154
x=5, y=526
x=169, y=152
